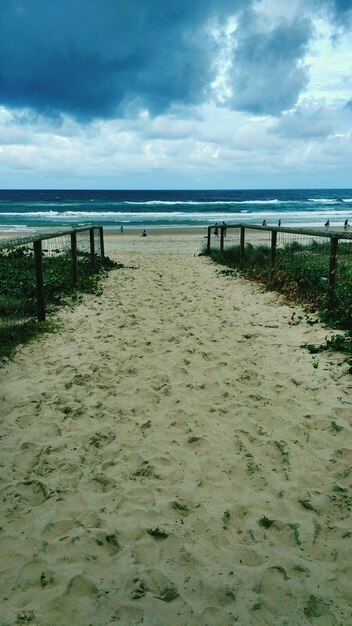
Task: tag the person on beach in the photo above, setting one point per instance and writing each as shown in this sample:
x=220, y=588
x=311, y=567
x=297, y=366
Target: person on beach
x=225, y=228
x=216, y=230
x=327, y=223
x=346, y=224
x=279, y=223
x=144, y=233
x=121, y=230
x=264, y=223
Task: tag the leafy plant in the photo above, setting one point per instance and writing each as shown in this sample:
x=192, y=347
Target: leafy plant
x=301, y=273
x=18, y=303
x=16, y=334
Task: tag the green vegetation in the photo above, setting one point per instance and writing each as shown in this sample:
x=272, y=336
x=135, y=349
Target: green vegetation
x=338, y=343
x=301, y=273
x=13, y=335
x=18, y=306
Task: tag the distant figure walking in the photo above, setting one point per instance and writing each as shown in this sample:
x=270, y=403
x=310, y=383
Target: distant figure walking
x=279, y=223
x=216, y=230
x=225, y=228
x=121, y=230
x=264, y=223
x=327, y=223
x=346, y=224
x=144, y=233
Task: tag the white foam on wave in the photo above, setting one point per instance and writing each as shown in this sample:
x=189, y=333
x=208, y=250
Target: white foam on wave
x=177, y=216
x=205, y=202
x=44, y=214
x=325, y=200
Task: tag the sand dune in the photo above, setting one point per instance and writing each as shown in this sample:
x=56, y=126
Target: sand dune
x=172, y=457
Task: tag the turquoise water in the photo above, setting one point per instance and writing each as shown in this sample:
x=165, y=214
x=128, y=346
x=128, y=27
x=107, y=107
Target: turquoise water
x=28, y=210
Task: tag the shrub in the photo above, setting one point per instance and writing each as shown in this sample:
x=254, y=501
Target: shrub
x=18, y=304
x=301, y=273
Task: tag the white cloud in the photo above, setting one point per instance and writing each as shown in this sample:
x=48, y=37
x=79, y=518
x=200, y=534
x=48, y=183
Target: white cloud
x=298, y=133
x=330, y=64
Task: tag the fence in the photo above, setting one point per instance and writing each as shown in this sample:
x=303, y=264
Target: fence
x=315, y=263
x=36, y=272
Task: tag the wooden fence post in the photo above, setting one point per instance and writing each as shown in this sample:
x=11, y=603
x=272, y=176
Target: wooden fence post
x=332, y=266
x=273, y=250
x=92, y=250
x=101, y=235
x=242, y=240
x=222, y=233
x=74, y=257
x=208, y=239
x=39, y=279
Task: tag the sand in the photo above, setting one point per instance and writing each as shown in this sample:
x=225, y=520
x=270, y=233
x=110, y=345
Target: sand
x=173, y=457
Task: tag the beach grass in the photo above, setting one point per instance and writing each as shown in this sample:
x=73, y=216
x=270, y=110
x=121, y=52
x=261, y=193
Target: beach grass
x=16, y=334
x=300, y=272
x=18, y=303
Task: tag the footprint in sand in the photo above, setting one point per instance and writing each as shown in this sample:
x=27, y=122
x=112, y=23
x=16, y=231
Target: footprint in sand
x=80, y=586
x=101, y=439
x=35, y=573
x=55, y=530
x=155, y=583
x=100, y=484
x=32, y=492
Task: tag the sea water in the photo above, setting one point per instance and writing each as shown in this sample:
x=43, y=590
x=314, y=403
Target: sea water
x=34, y=209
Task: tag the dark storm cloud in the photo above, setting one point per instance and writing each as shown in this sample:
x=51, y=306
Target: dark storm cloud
x=339, y=12
x=341, y=8
x=106, y=58
x=95, y=57
x=267, y=74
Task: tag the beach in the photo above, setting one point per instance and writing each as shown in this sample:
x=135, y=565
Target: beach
x=172, y=456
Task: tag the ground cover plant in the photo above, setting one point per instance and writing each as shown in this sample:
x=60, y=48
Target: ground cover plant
x=18, y=305
x=301, y=273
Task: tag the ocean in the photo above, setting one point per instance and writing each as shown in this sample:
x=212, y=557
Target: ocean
x=22, y=210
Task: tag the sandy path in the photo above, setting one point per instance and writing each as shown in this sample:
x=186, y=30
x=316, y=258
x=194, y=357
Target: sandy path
x=172, y=457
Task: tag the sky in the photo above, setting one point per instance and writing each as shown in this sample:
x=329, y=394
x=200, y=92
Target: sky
x=164, y=94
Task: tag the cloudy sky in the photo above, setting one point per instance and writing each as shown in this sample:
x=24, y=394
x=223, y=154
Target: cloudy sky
x=171, y=94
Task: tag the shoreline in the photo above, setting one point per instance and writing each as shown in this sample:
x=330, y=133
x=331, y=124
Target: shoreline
x=159, y=231
x=112, y=232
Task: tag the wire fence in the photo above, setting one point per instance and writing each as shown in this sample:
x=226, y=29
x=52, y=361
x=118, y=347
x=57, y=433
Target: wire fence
x=307, y=264
x=38, y=272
